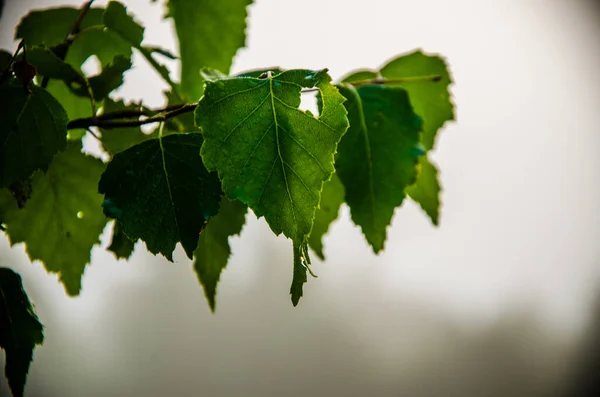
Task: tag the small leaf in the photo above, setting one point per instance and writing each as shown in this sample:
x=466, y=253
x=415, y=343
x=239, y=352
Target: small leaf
x=62, y=214
x=270, y=154
x=377, y=157
x=20, y=330
x=49, y=65
x=426, y=191
x=209, y=33
x=34, y=129
x=213, y=250
x=116, y=18
x=161, y=192
x=116, y=140
x=300, y=270
x=105, y=44
x=120, y=244
x=52, y=26
x=332, y=198
x=430, y=99
x=110, y=78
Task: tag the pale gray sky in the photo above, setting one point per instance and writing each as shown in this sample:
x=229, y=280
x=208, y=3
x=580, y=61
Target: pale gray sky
x=515, y=261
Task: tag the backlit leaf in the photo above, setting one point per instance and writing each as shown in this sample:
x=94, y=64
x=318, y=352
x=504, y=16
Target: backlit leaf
x=209, y=33
x=116, y=18
x=160, y=192
x=332, y=198
x=270, y=154
x=62, y=220
x=213, y=250
x=430, y=99
x=426, y=191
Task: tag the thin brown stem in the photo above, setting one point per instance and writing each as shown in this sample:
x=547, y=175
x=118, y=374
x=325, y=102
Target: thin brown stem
x=108, y=123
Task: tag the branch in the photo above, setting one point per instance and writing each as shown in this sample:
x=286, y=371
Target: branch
x=107, y=121
x=110, y=120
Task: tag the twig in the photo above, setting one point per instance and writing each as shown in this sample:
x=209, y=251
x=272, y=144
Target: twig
x=111, y=120
x=111, y=123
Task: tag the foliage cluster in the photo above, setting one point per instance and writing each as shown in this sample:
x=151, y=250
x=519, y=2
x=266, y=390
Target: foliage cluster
x=222, y=145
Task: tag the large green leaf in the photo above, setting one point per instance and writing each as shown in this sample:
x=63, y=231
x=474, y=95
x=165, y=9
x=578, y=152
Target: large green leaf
x=34, y=129
x=62, y=220
x=430, y=99
x=52, y=26
x=209, y=33
x=378, y=156
x=116, y=18
x=332, y=198
x=270, y=154
x=213, y=250
x=426, y=191
x=160, y=192
x=20, y=330
x=115, y=140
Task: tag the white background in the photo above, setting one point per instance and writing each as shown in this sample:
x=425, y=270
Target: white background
x=490, y=303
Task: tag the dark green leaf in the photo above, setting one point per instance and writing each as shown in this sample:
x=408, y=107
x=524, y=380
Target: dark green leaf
x=116, y=18
x=110, y=78
x=20, y=330
x=116, y=140
x=210, y=33
x=120, y=244
x=62, y=220
x=52, y=26
x=301, y=263
x=213, y=250
x=34, y=129
x=5, y=58
x=270, y=154
x=161, y=193
x=49, y=65
x=430, y=99
x=377, y=157
x=426, y=191
x=332, y=198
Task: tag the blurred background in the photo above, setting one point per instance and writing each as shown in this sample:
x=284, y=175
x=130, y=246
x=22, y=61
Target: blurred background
x=502, y=299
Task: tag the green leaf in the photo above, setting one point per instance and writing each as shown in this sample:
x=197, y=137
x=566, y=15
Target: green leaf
x=62, y=220
x=120, y=244
x=116, y=140
x=301, y=263
x=332, y=198
x=5, y=59
x=377, y=157
x=361, y=75
x=20, y=330
x=116, y=18
x=430, y=100
x=213, y=250
x=161, y=193
x=110, y=78
x=426, y=191
x=49, y=65
x=76, y=106
x=209, y=33
x=34, y=129
x=103, y=43
x=52, y=26
x=270, y=154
